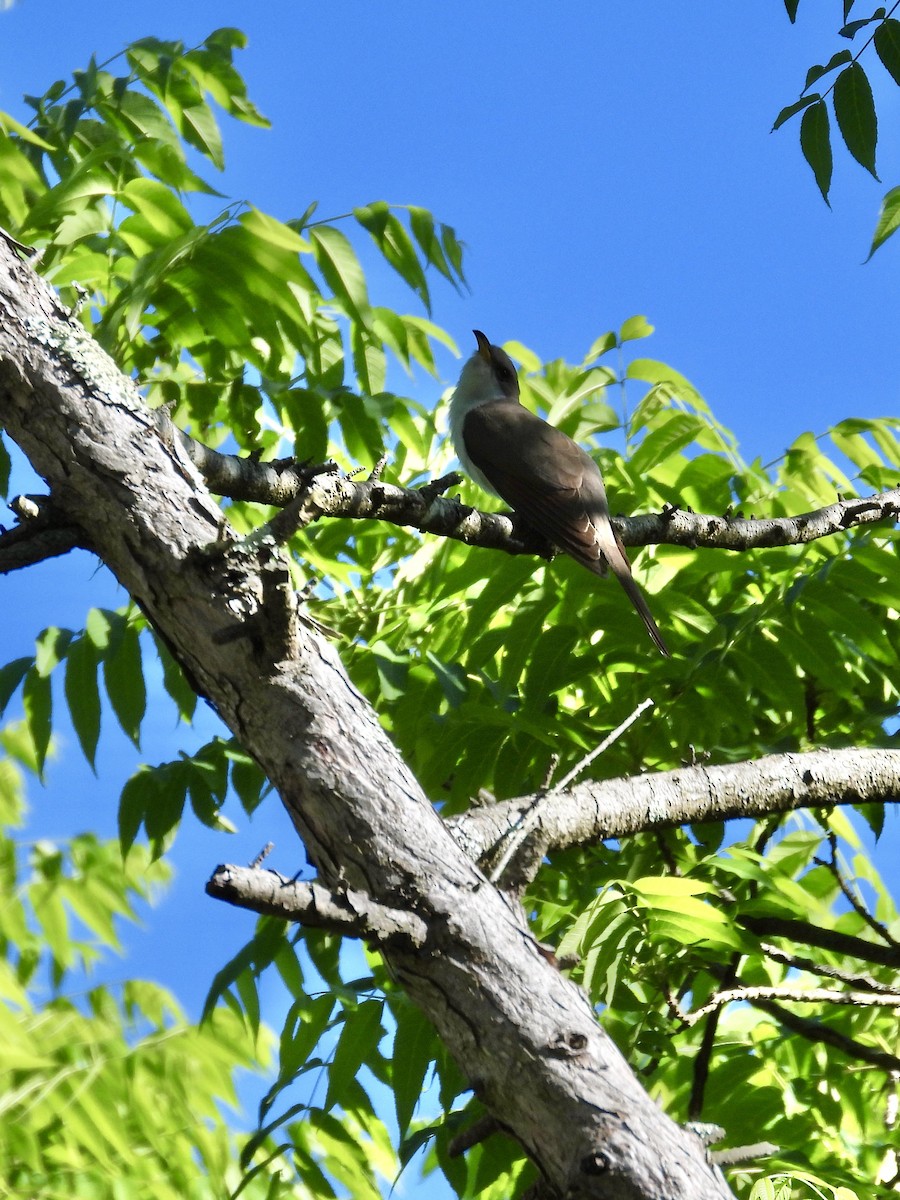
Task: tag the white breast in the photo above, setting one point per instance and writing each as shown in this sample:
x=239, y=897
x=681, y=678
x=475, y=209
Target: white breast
x=476, y=386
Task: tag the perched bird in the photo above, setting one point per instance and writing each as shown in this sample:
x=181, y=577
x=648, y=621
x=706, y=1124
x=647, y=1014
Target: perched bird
x=545, y=477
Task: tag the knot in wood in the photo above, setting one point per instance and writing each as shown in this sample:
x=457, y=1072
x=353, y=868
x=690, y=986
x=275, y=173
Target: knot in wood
x=594, y=1164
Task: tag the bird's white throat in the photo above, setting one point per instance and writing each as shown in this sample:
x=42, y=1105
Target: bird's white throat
x=477, y=385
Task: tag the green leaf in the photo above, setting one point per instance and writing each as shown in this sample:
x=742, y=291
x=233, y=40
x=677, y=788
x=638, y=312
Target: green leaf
x=396, y=245
x=836, y=60
x=600, y=346
x=50, y=649
x=792, y=109
x=635, y=328
x=37, y=701
x=175, y=682
x=854, y=108
x=123, y=674
x=158, y=206
x=423, y=226
x=815, y=142
x=343, y=274
x=791, y=6
x=83, y=694
x=358, y=1042
x=887, y=44
x=414, y=1049
x=888, y=220
x=137, y=798
x=674, y=431
x=11, y=676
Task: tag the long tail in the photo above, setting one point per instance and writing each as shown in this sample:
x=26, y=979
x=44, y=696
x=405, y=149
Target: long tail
x=617, y=560
x=622, y=571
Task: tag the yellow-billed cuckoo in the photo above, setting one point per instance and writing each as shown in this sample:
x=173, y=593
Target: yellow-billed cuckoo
x=539, y=471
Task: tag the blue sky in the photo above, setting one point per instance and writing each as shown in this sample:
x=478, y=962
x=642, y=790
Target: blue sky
x=599, y=160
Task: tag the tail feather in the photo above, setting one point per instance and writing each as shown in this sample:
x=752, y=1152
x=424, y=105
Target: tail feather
x=617, y=560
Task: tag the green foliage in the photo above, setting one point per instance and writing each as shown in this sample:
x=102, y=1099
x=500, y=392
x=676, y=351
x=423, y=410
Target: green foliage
x=853, y=103
x=106, y=1091
x=482, y=668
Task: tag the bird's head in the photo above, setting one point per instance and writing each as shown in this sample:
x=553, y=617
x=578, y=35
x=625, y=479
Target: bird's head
x=488, y=375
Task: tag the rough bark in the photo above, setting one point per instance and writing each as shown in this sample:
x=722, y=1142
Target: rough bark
x=525, y=1036
x=614, y=808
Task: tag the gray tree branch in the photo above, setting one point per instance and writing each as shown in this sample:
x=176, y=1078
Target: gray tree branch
x=613, y=808
x=319, y=491
x=351, y=914
x=525, y=1036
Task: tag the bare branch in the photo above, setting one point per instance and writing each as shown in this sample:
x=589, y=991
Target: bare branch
x=793, y=995
x=851, y=897
x=423, y=509
x=797, y=962
x=40, y=533
x=615, y=808
x=350, y=913
x=816, y=935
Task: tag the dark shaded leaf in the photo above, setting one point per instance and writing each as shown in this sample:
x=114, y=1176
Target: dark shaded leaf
x=11, y=676
x=358, y=1042
x=83, y=694
x=37, y=701
x=887, y=44
x=815, y=142
x=123, y=674
x=854, y=108
x=414, y=1050
x=5, y=468
x=852, y=28
x=816, y=72
x=793, y=109
x=139, y=797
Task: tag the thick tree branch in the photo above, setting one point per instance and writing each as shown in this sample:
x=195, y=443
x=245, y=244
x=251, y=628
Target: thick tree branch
x=40, y=534
x=333, y=496
x=351, y=914
x=523, y=1033
x=615, y=808
x=321, y=492
x=805, y=934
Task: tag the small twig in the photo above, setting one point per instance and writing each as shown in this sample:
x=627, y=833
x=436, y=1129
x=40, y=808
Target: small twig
x=864, y=983
x=550, y=772
x=816, y=1032
x=809, y=934
x=850, y=896
x=15, y=244
x=529, y=818
x=604, y=745
x=437, y=487
x=262, y=856
x=740, y=995
x=740, y=1154
x=479, y=1131
x=375, y=473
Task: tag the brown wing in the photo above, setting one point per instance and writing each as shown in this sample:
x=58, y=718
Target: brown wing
x=555, y=486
